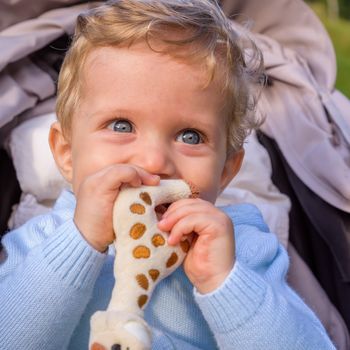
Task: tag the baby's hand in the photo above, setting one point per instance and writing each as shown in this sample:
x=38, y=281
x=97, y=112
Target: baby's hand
x=95, y=199
x=212, y=253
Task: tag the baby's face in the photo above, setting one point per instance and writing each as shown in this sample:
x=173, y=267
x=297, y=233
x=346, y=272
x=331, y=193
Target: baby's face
x=139, y=107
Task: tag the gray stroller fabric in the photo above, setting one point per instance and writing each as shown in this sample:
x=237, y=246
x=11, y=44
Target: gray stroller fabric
x=23, y=83
x=317, y=299
x=319, y=233
x=15, y=11
x=308, y=120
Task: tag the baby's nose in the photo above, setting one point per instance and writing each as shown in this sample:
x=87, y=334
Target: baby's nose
x=157, y=159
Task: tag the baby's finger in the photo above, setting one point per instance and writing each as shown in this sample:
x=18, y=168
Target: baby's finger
x=147, y=178
x=113, y=177
x=193, y=223
x=184, y=202
x=136, y=176
x=176, y=213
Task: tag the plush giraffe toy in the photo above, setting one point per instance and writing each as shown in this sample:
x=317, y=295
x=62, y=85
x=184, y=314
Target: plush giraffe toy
x=143, y=258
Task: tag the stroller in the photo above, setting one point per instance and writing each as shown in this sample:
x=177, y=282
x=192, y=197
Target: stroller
x=297, y=168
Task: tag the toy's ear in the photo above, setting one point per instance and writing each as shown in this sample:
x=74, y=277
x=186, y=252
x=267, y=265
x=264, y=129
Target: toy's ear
x=61, y=150
x=232, y=165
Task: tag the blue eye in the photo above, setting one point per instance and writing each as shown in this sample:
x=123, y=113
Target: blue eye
x=191, y=137
x=121, y=126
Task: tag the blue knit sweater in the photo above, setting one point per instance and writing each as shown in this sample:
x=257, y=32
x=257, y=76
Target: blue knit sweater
x=52, y=281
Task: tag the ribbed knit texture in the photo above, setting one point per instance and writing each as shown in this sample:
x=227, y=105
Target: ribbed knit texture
x=246, y=297
x=53, y=280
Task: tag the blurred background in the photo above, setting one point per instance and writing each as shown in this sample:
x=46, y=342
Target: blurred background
x=335, y=15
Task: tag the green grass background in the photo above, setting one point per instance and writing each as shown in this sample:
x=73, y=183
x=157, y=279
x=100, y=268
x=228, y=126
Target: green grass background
x=339, y=31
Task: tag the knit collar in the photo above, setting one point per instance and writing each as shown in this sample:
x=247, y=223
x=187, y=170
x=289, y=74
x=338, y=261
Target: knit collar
x=65, y=200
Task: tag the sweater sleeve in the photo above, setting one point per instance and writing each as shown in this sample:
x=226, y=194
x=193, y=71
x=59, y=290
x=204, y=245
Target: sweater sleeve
x=255, y=308
x=46, y=281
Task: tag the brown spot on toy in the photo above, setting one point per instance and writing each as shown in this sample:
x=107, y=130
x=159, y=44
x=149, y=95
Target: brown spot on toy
x=142, y=300
x=154, y=274
x=141, y=252
x=137, y=230
x=172, y=260
x=185, y=246
x=96, y=346
x=158, y=240
x=137, y=208
x=146, y=198
x=142, y=281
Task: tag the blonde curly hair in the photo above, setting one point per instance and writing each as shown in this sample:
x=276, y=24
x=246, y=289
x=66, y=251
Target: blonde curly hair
x=206, y=36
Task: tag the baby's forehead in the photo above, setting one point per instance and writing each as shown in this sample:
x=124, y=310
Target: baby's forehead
x=136, y=80
x=102, y=58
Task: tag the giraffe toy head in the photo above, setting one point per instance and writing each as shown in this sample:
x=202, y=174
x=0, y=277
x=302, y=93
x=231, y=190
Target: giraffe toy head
x=143, y=259
x=115, y=330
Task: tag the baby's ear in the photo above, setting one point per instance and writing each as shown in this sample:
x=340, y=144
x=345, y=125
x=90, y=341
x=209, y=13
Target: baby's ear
x=61, y=151
x=231, y=168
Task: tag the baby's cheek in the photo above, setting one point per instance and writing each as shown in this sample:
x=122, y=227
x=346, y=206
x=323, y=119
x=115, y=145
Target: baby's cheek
x=205, y=174
x=209, y=192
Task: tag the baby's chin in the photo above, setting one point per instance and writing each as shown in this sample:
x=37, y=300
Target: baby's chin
x=209, y=197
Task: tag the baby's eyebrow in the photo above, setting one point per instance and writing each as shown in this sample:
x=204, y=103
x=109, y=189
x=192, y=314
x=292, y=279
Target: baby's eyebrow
x=196, y=123
x=117, y=112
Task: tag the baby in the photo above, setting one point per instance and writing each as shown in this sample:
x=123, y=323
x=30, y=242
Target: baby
x=150, y=90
